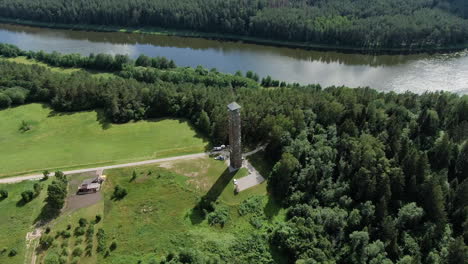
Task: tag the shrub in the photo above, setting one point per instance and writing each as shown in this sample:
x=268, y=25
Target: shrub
x=66, y=234
x=251, y=205
x=27, y=196
x=219, y=216
x=24, y=126
x=256, y=222
x=78, y=251
x=79, y=231
x=78, y=241
x=90, y=232
x=46, y=241
x=63, y=260
x=3, y=194
x=69, y=227
x=98, y=219
x=46, y=175
x=37, y=189
x=119, y=192
x=65, y=244
x=47, y=230
x=17, y=95
x=113, y=246
x=134, y=176
x=5, y=101
x=83, y=222
x=13, y=252
x=101, y=240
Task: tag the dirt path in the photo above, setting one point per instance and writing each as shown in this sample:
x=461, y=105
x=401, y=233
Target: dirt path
x=132, y=164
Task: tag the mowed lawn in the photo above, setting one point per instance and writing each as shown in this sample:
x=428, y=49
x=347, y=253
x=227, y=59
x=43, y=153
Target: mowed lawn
x=76, y=140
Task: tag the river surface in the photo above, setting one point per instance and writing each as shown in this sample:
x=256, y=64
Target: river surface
x=399, y=73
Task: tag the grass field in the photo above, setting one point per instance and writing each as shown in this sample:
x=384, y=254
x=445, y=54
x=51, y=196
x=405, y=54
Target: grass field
x=75, y=140
x=157, y=216
x=17, y=219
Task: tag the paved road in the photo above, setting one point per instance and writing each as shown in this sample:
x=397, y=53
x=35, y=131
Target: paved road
x=132, y=164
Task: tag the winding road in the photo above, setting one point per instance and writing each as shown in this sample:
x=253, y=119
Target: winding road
x=132, y=164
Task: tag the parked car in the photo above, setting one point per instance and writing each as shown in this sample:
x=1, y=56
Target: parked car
x=219, y=148
x=220, y=158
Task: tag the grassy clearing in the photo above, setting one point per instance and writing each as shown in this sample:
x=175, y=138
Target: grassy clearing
x=25, y=60
x=157, y=216
x=82, y=139
x=16, y=219
x=62, y=246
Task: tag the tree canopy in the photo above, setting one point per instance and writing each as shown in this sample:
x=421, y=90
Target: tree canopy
x=382, y=24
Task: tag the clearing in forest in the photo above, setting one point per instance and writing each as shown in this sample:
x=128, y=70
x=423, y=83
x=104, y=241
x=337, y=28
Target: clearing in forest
x=84, y=139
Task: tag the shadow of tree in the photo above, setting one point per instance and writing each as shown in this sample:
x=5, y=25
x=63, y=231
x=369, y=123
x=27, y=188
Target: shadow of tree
x=103, y=120
x=21, y=203
x=205, y=205
x=47, y=214
x=272, y=208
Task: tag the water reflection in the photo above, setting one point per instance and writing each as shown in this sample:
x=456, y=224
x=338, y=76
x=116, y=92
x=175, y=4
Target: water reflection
x=417, y=73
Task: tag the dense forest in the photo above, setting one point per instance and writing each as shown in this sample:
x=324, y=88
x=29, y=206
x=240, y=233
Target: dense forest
x=366, y=177
x=370, y=25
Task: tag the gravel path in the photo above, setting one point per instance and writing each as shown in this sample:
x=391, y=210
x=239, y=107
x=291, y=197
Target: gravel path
x=132, y=164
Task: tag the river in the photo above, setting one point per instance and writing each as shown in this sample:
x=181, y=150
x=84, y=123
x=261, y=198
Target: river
x=399, y=73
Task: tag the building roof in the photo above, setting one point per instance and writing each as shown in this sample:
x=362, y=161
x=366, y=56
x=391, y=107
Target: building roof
x=233, y=106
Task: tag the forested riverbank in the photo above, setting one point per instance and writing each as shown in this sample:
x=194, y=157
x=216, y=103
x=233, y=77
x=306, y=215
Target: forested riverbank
x=366, y=177
x=385, y=26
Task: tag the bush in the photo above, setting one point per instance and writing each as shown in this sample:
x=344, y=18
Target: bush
x=78, y=251
x=251, y=205
x=13, y=252
x=5, y=101
x=17, y=95
x=79, y=231
x=3, y=194
x=37, y=189
x=83, y=222
x=119, y=193
x=46, y=175
x=90, y=233
x=69, y=227
x=219, y=216
x=47, y=230
x=24, y=126
x=101, y=240
x=98, y=219
x=66, y=234
x=113, y=246
x=46, y=241
x=27, y=196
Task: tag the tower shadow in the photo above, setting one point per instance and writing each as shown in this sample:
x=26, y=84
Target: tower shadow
x=205, y=205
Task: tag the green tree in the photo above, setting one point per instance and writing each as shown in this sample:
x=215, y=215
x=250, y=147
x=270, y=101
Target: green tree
x=281, y=174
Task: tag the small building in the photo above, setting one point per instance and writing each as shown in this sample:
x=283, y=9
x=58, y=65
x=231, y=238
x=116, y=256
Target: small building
x=91, y=185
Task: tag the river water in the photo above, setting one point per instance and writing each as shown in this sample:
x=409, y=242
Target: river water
x=399, y=73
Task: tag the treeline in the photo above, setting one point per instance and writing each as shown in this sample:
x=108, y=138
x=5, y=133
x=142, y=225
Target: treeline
x=402, y=24
x=367, y=177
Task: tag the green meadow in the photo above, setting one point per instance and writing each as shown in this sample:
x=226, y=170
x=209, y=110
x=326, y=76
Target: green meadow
x=82, y=139
x=158, y=216
x=17, y=219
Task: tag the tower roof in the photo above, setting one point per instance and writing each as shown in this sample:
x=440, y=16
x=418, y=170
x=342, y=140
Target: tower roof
x=233, y=106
